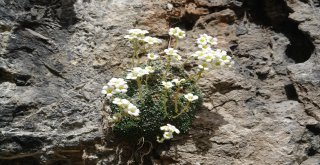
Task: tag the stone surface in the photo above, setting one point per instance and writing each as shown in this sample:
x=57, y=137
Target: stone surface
x=56, y=55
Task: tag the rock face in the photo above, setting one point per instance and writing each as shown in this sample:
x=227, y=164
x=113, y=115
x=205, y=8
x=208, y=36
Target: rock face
x=56, y=55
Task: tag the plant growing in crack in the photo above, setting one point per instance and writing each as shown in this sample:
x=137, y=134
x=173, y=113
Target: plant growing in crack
x=158, y=98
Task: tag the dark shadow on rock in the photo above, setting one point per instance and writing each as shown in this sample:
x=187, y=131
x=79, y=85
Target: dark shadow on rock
x=274, y=14
x=204, y=127
x=26, y=160
x=291, y=92
x=60, y=10
x=312, y=136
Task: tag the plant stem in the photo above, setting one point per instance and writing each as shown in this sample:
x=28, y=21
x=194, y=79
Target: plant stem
x=176, y=44
x=185, y=109
x=165, y=101
x=176, y=99
x=193, y=76
x=187, y=60
x=138, y=58
x=135, y=55
x=140, y=89
x=199, y=76
x=132, y=61
x=169, y=42
x=146, y=81
x=167, y=67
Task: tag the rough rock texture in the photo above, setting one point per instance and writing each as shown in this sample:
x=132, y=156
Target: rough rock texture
x=55, y=55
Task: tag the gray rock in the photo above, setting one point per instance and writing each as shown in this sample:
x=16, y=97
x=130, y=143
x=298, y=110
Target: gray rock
x=56, y=55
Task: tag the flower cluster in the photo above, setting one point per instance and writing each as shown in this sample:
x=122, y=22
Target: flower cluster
x=138, y=72
x=114, y=86
x=168, y=132
x=152, y=40
x=177, y=32
x=172, y=54
x=126, y=106
x=152, y=56
x=205, y=41
x=208, y=57
x=178, y=82
x=136, y=34
x=139, y=35
x=178, y=93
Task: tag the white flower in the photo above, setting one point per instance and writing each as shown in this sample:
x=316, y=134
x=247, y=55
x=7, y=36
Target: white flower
x=204, y=47
x=126, y=106
x=122, y=88
x=202, y=41
x=107, y=90
x=222, y=59
x=177, y=57
x=199, y=54
x=173, y=31
x=152, y=40
x=231, y=64
x=131, y=76
x=221, y=63
x=167, y=135
x=219, y=53
x=205, y=39
x=138, y=32
x=226, y=58
x=133, y=110
x=149, y=69
x=136, y=72
x=173, y=128
x=117, y=101
x=152, y=56
x=204, y=65
x=208, y=57
x=116, y=85
x=124, y=103
x=139, y=71
x=177, y=81
x=129, y=37
x=212, y=40
x=217, y=64
x=205, y=36
x=169, y=128
x=177, y=32
x=181, y=34
x=168, y=132
x=167, y=85
x=115, y=118
x=116, y=81
x=171, y=52
x=190, y=97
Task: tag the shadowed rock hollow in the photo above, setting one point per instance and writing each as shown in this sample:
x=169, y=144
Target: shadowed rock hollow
x=56, y=55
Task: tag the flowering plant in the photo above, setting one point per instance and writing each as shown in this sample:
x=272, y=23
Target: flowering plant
x=158, y=98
